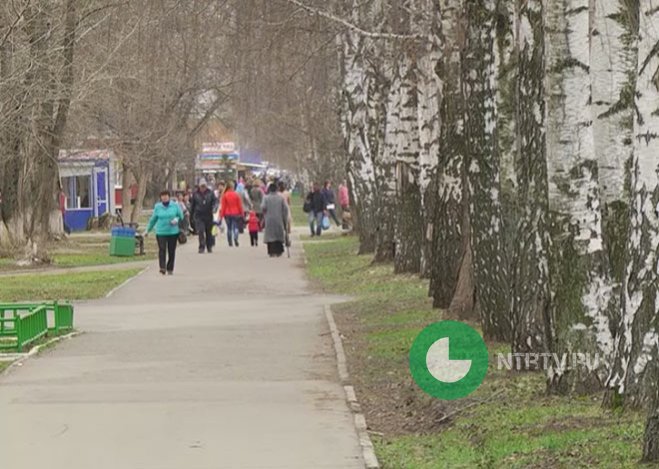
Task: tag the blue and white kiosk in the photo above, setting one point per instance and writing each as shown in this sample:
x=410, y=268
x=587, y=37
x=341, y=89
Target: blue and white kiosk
x=88, y=179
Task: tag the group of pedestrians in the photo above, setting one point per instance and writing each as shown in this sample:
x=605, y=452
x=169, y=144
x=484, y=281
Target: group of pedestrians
x=320, y=206
x=237, y=204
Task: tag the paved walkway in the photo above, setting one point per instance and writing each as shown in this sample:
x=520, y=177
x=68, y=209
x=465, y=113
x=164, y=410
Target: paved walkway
x=227, y=364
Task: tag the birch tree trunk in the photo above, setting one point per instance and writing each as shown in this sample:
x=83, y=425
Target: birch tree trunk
x=613, y=71
x=651, y=438
x=579, y=278
x=361, y=172
x=530, y=302
x=429, y=88
x=382, y=72
x=409, y=221
x=450, y=239
x=487, y=243
x=635, y=376
x=390, y=104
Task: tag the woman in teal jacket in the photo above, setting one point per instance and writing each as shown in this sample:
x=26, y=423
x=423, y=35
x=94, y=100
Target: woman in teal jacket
x=165, y=219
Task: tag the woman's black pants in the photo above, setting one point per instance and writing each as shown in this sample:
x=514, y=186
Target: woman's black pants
x=167, y=251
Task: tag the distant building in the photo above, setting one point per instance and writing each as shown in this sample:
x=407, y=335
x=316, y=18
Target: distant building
x=88, y=179
x=251, y=162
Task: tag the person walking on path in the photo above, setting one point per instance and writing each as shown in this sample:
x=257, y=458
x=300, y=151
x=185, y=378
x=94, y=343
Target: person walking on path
x=185, y=208
x=203, y=206
x=256, y=196
x=275, y=213
x=165, y=219
x=344, y=196
x=316, y=206
x=254, y=226
x=232, y=210
x=329, y=201
x=283, y=191
x=247, y=202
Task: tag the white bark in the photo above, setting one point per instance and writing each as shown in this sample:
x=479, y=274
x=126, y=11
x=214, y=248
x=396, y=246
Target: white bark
x=638, y=335
x=530, y=262
x=409, y=231
x=385, y=109
x=429, y=88
x=482, y=152
x=450, y=238
x=579, y=280
x=361, y=170
x=612, y=60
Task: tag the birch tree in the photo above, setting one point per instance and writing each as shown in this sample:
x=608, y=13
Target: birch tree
x=579, y=279
x=409, y=220
x=613, y=57
x=429, y=88
x=361, y=171
x=634, y=377
x=355, y=122
x=487, y=237
x=451, y=254
x=388, y=98
x=530, y=277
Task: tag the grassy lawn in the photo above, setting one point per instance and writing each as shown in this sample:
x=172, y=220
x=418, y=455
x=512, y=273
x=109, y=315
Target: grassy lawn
x=509, y=422
x=326, y=236
x=83, y=259
x=71, y=286
x=82, y=250
x=4, y=366
x=94, y=250
x=299, y=217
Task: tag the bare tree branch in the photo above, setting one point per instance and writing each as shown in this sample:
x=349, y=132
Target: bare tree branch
x=353, y=27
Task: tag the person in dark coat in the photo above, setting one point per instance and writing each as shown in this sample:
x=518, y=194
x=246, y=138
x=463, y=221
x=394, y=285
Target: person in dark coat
x=316, y=204
x=203, y=206
x=330, y=202
x=256, y=196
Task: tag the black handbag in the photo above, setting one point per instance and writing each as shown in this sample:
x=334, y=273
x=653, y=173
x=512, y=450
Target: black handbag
x=182, y=237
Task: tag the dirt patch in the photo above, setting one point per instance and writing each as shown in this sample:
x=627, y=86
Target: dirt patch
x=390, y=400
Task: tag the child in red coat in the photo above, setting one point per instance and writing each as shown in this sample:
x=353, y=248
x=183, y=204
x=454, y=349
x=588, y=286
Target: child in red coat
x=254, y=226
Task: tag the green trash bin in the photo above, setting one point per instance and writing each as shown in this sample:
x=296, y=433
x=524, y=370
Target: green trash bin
x=122, y=242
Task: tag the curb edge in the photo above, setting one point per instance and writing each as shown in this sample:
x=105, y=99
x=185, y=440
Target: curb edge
x=368, y=450
x=126, y=282
x=35, y=351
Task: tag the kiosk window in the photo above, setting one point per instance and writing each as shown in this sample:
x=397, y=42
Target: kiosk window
x=77, y=190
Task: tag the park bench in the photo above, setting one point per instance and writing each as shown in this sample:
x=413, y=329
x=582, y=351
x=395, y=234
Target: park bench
x=21, y=324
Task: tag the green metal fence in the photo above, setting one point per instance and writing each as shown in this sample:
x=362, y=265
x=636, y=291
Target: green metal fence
x=21, y=324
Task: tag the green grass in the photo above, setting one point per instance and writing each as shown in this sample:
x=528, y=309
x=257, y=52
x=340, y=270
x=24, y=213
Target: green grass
x=326, y=236
x=508, y=422
x=4, y=366
x=299, y=217
x=83, y=251
x=95, y=258
x=70, y=286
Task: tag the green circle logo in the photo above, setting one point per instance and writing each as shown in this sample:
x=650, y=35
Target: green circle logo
x=449, y=360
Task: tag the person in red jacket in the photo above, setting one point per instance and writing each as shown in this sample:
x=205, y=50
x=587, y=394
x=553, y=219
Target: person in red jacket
x=232, y=210
x=254, y=226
